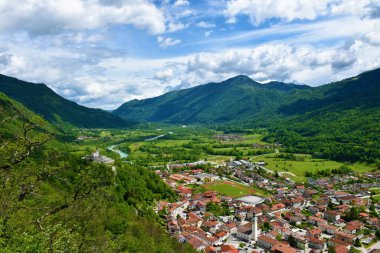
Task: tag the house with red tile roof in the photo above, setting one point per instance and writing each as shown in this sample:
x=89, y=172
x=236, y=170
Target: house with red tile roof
x=340, y=249
x=353, y=227
x=228, y=249
x=196, y=243
x=315, y=232
x=283, y=248
x=278, y=207
x=315, y=243
x=266, y=242
x=333, y=242
x=331, y=215
x=210, y=249
x=345, y=236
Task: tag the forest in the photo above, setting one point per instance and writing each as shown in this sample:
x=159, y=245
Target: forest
x=54, y=201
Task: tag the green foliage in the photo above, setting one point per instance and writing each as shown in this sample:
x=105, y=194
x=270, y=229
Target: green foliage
x=218, y=209
x=235, y=99
x=292, y=241
x=52, y=201
x=378, y=234
x=357, y=243
x=353, y=213
x=337, y=121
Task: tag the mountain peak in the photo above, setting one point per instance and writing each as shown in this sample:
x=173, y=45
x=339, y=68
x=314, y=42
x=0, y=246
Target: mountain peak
x=240, y=78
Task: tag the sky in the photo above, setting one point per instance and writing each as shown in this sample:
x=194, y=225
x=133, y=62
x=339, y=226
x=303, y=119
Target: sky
x=102, y=53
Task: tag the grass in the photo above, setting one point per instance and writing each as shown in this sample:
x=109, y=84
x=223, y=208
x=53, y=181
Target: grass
x=375, y=190
x=376, y=198
x=231, y=189
x=305, y=163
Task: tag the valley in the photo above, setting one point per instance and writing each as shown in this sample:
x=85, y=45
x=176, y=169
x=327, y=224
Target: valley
x=297, y=170
x=211, y=171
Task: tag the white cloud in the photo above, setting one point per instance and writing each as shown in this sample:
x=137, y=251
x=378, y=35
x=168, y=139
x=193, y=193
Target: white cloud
x=167, y=42
x=164, y=75
x=106, y=79
x=181, y=3
x=55, y=16
x=100, y=76
x=204, y=24
x=208, y=33
x=288, y=63
x=258, y=11
x=174, y=27
x=373, y=38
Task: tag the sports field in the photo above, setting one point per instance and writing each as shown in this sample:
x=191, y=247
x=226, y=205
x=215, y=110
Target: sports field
x=229, y=188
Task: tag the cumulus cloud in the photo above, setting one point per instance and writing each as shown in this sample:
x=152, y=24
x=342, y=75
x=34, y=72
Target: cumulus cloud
x=164, y=75
x=288, y=63
x=174, y=27
x=204, y=24
x=109, y=80
x=167, y=42
x=258, y=11
x=80, y=61
x=181, y=3
x=55, y=16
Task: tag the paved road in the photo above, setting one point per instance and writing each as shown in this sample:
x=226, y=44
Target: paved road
x=375, y=246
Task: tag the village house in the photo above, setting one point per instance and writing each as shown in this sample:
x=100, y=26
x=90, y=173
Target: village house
x=353, y=227
x=345, y=236
x=266, y=242
x=331, y=216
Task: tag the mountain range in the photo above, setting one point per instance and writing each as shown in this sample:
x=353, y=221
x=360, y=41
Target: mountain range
x=42, y=100
x=241, y=99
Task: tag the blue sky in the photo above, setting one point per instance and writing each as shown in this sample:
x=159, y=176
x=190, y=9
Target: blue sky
x=102, y=53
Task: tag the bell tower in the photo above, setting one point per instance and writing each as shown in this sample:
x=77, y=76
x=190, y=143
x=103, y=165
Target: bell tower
x=254, y=228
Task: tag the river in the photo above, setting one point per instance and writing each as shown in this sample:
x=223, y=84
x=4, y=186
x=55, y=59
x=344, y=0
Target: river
x=155, y=138
x=121, y=153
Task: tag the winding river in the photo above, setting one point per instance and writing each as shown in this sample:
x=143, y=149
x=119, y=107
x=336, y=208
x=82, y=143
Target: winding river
x=121, y=153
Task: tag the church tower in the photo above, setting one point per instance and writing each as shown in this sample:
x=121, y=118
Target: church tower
x=254, y=228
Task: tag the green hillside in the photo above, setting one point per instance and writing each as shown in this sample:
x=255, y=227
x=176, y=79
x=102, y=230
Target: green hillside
x=232, y=100
x=339, y=121
x=53, y=201
x=241, y=99
x=45, y=102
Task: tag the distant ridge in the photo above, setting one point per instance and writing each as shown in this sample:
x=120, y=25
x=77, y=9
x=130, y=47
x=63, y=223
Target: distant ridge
x=241, y=99
x=42, y=100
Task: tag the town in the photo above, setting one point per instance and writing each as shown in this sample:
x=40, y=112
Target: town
x=325, y=214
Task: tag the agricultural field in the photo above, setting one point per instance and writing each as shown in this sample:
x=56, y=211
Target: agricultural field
x=177, y=144
x=296, y=168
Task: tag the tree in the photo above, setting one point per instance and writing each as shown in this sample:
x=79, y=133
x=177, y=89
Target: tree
x=266, y=226
x=292, y=241
x=377, y=233
x=357, y=243
x=330, y=205
x=353, y=214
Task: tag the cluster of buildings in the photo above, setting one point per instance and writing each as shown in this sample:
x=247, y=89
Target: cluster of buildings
x=292, y=218
x=96, y=157
x=228, y=137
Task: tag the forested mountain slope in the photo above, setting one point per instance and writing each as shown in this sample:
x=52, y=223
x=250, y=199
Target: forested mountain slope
x=53, y=201
x=232, y=100
x=339, y=120
x=42, y=100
